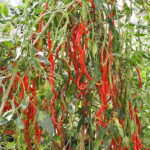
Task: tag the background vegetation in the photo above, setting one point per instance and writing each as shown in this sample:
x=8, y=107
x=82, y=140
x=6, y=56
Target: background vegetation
x=73, y=74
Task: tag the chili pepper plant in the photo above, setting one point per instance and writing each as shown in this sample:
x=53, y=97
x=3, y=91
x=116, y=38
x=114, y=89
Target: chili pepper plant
x=68, y=80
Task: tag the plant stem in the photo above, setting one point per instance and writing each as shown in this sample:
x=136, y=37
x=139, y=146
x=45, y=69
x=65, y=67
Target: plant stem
x=6, y=94
x=82, y=138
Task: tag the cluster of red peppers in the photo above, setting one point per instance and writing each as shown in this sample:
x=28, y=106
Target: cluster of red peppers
x=77, y=47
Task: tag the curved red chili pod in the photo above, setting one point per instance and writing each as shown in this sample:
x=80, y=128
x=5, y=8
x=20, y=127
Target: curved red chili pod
x=134, y=141
x=137, y=120
x=40, y=26
x=113, y=143
x=130, y=110
x=92, y=4
x=32, y=37
x=55, y=145
x=69, y=147
x=79, y=3
x=52, y=82
x=15, y=102
x=58, y=51
x=140, y=79
x=70, y=55
x=25, y=80
x=22, y=87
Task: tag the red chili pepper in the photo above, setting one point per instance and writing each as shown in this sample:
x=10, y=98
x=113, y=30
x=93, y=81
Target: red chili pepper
x=11, y=93
x=101, y=58
x=21, y=84
x=27, y=139
x=55, y=145
x=70, y=55
x=92, y=4
x=121, y=121
x=10, y=132
x=58, y=51
x=81, y=58
x=103, y=92
x=134, y=141
x=139, y=145
x=140, y=79
x=119, y=144
x=144, y=148
x=79, y=3
x=32, y=37
x=133, y=95
x=37, y=134
x=52, y=82
x=40, y=26
x=15, y=102
x=137, y=120
x=130, y=110
x=25, y=80
x=113, y=143
x=44, y=101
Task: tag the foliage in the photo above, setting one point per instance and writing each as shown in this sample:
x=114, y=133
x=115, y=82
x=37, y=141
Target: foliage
x=74, y=75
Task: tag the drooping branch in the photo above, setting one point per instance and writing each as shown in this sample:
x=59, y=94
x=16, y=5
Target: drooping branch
x=6, y=94
x=45, y=28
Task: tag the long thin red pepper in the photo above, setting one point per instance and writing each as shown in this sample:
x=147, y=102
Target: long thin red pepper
x=113, y=143
x=25, y=80
x=17, y=78
x=137, y=120
x=58, y=51
x=79, y=3
x=119, y=144
x=70, y=55
x=81, y=58
x=134, y=141
x=75, y=63
x=55, y=145
x=52, y=82
x=92, y=4
x=103, y=92
x=130, y=110
x=69, y=147
x=40, y=26
x=140, y=79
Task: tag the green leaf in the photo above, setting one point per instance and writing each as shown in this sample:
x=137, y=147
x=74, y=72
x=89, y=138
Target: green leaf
x=3, y=39
x=3, y=120
x=25, y=103
x=9, y=44
x=107, y=141
x=5, y=11
x=146, y=17
x=58, y=139
x=130, y=26
x=84, y=12
x=81, y=120
x=120, y=129
x=132, y=126
x=45, y=122
x=11, y=145
x=135, y=59
x=139, y=34
x=97, y=71
x=94, y=50
x=126, y=141
x=19, y=123
x=6, y=117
